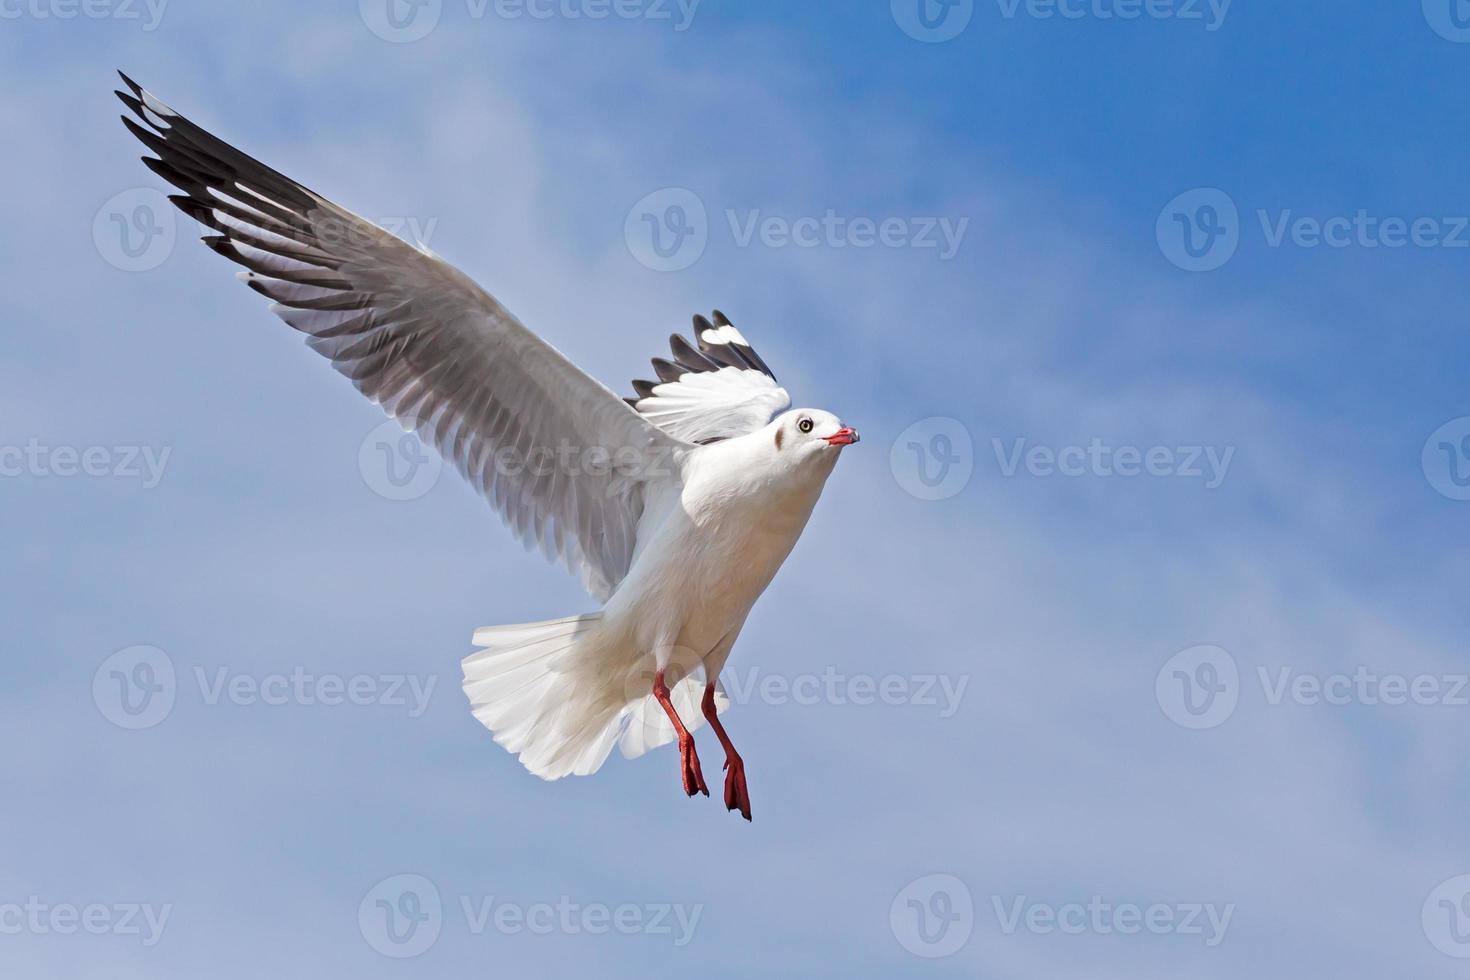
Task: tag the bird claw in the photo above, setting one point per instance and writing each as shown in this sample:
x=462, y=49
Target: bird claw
x=737, y=796
x=689, y=762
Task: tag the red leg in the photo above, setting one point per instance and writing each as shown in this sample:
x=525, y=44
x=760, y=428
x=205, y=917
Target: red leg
x=737, y=797
x=688, y=758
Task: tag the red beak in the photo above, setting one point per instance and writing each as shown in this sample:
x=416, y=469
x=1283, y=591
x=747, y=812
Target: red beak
x=844, y=436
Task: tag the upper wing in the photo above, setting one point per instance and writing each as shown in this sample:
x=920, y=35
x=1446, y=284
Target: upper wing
x=718, y=390
x=561, y=457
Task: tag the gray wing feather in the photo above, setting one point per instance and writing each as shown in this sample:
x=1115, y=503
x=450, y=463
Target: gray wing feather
x=565, y=461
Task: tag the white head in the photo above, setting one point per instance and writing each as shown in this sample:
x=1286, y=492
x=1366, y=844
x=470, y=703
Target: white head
x=810, y=433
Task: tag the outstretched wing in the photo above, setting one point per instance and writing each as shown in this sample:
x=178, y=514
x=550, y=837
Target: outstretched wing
x=561, y=457
x=714, y=391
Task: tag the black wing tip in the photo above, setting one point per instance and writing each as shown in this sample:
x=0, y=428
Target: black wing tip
x=721, y=320
x=667, y=371
x=222, y=245
x=689, y=356
x=701, y=324
x=136, y=88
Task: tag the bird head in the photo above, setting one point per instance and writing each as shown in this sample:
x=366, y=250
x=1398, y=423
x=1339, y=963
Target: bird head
x=811, y=431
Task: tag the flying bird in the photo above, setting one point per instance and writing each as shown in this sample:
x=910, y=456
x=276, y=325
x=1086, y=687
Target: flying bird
x=675, y=506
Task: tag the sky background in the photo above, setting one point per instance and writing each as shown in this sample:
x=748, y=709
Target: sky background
x=1119, y=734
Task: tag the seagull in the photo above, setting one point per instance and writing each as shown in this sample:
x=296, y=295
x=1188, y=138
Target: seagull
x=676, y=506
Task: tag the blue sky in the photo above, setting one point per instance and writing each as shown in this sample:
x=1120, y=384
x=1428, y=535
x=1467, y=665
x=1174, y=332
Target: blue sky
x=1221, y=695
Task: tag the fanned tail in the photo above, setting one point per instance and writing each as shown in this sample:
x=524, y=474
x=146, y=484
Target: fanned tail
x=525, y=687
x=561, y=693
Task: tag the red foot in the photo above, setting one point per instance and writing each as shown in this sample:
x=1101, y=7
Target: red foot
x=689, y=763
x=688, y=758
x=737, y=797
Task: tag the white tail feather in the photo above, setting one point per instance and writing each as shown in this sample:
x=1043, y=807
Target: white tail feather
x=559, y=694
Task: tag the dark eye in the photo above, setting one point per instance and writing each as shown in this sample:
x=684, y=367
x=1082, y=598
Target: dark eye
x=805, y=425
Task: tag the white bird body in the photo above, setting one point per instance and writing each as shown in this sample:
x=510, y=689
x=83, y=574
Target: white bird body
x=676, y=507
x=707, y=550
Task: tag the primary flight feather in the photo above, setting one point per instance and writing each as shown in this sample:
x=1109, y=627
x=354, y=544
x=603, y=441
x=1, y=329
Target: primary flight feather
x=676, y=507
